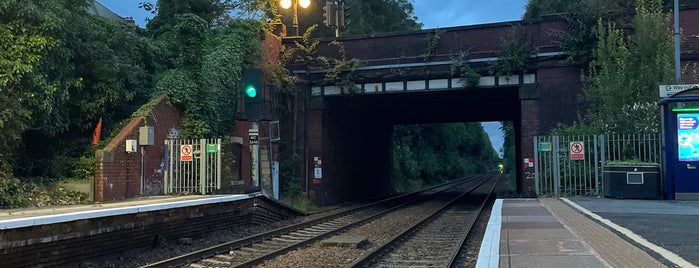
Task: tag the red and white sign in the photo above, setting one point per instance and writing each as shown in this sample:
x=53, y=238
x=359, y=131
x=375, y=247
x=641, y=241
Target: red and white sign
x=528, y=162
x=577, y=150
x=186, y=152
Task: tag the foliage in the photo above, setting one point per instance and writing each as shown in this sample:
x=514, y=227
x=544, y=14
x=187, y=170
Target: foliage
x=87, y=68
x=508, y=152
x=430, y=154
x=11, y=193
x=625, y=72
x=41, y=197
x=282, y=78
x=290, y=187
x=290, y=176
x=459, y=67
x=582, y=16
x=199, y=79
x=514, y=56
x=340, y=71
x=432, y=43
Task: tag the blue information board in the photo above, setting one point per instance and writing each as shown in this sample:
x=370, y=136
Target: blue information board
x=688, y=137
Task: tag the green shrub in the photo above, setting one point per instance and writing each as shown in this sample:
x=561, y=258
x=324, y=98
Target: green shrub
x=11, y=193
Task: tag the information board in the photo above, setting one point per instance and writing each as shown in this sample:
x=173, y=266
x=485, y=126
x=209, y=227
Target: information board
x=688, y=137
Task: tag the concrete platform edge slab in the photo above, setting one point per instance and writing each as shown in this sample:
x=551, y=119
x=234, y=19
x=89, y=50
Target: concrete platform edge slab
x=489, y=254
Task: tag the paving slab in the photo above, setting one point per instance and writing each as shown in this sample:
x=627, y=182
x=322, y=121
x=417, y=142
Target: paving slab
x=529, y=219
x=547, y=247
x=568, y=261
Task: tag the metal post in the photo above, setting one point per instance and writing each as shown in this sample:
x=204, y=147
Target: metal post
x=596, y=168
x=337, y=19
x=202, y=165
x=536, y=165
x=218, y=163
x=603, y=156
x=255, y=150
x=295, y=20
x=678, y=72
x=556, y=167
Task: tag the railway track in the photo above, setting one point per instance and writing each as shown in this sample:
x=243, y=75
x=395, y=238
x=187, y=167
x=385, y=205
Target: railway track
x=256, y=249
x=436, y=240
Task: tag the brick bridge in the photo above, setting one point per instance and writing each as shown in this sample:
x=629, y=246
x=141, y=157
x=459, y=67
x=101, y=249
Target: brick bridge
x=406, y=78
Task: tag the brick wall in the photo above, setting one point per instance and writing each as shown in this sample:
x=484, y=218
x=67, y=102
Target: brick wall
x=118, y=173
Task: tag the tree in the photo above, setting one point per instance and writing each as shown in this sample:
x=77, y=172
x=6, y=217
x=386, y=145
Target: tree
x=626, y=71
x=432, y=153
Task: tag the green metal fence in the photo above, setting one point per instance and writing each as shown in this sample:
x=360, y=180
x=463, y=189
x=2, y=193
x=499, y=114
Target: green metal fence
x=572, y=165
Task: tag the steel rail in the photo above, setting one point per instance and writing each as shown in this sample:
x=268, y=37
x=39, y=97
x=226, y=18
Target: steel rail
x=212, y=251
x=371, y=256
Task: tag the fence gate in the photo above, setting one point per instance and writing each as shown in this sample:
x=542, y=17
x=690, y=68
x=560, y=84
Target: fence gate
x=572, y=165
x=193, y=166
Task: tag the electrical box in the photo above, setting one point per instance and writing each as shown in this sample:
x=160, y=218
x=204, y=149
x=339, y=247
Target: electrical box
x=131, y=146
x=146, y=136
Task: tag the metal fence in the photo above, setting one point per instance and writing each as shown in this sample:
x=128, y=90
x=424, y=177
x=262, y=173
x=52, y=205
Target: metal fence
x=193, y=166
x=572, y=165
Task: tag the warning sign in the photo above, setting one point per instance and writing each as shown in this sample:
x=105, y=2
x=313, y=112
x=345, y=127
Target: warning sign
x=317, y=169
x=186, y=152
x=577, y=150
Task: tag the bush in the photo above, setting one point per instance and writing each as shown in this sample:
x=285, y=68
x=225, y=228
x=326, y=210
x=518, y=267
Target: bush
x=11, y=193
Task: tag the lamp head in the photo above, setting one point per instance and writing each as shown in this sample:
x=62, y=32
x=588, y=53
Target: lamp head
x=286, y=4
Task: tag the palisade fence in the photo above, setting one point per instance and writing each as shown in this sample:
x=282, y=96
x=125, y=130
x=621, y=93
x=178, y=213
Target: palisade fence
x=193, y=166
x=557, y=175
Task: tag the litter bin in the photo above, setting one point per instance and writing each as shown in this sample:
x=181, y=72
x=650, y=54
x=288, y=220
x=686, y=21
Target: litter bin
x=632, y=181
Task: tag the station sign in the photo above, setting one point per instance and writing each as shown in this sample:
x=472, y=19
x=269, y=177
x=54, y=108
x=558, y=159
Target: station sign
x=669, y=90
x=544, y=146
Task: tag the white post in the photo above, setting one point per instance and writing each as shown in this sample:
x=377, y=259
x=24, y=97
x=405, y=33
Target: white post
x=255, y=157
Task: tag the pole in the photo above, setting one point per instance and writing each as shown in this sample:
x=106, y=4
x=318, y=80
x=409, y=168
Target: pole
x=337, y=17
x=678, y=72
x=295, y=22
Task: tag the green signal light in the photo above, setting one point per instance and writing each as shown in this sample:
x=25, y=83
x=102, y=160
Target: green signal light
x=250, y=91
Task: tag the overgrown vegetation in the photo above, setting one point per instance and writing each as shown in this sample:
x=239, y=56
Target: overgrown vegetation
x=514, y=56
x=290, y=180
x=624, y=75
x=460, y=68
x=67, y=69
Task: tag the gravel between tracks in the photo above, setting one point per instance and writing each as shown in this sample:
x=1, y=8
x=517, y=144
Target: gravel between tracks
x=162, y=250
x=377, y=232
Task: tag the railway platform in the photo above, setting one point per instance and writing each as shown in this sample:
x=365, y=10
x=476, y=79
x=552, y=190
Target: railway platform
x=591, y=232
x=27, y=217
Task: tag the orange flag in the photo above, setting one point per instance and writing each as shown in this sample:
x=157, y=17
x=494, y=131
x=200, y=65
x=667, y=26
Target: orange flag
x=97, y=133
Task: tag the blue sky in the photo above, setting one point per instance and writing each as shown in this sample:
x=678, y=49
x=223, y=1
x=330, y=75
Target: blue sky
x=432, y=13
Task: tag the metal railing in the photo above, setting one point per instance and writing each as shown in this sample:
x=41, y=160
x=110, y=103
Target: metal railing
x=559, y=171
x=193, y=166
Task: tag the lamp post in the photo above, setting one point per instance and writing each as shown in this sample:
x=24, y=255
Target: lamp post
x=286, y=4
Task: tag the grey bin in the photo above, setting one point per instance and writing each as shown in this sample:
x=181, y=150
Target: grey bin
x=632, y=181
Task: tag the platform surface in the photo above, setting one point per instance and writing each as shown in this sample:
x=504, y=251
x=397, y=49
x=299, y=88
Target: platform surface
x=24, y=217
x=553, y=232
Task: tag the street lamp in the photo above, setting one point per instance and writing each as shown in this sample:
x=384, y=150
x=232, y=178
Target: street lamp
x=286, y=4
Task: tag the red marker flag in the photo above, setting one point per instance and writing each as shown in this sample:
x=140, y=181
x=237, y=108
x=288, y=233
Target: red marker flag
x=97, y=133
